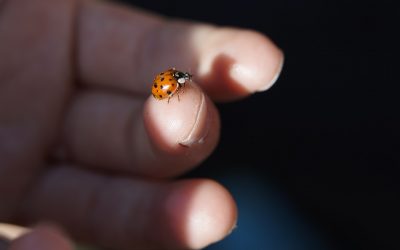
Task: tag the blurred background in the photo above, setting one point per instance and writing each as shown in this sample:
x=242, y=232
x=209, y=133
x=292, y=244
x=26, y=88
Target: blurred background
x=313, y=163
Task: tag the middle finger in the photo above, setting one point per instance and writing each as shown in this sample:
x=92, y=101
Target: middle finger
x=155, y=138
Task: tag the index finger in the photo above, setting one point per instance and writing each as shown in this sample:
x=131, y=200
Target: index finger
x=123, y=49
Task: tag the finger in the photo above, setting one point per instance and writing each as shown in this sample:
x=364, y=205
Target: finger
x=123, y=213
x=157, y=139
x=35, y=61
x=124, y=49
x=43, y=238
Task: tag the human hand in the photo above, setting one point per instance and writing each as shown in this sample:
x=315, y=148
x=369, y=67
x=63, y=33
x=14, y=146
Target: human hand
x=83, y=145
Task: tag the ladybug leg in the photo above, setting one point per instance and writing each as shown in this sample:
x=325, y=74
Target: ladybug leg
x=169, y=98
x=181, y=89
x=178, y=97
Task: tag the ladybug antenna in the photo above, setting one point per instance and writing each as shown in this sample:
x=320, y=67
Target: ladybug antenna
x=190, y=76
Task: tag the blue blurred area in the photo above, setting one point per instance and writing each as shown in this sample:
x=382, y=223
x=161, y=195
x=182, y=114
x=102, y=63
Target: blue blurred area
x=267, y=220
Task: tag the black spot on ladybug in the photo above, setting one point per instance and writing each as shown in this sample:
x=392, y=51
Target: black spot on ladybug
x=161, y=86
x=170, y=79
x=160, y=96
x=162, y=79
x=173, y=84
x=155, y=85
x=161, y=73
x=168, y=92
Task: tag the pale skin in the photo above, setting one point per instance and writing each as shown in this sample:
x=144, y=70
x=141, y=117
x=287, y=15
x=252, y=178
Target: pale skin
x=84, y=145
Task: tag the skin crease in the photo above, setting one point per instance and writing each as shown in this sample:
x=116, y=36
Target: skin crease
x=85, y=146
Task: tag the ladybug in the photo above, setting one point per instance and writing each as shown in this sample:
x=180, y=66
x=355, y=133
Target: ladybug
x=168, y=83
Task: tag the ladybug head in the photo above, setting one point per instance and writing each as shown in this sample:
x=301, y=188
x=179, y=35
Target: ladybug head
x=188, y=76
x=182, y=77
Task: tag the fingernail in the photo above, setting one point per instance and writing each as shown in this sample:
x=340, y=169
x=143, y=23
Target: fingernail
x=233, y=228
x=275, y=77
x=201, y=125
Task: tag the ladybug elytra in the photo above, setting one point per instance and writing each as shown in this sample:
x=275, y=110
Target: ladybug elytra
x=168, y=83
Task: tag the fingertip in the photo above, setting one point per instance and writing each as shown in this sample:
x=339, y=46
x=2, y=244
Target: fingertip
x=234, y=63
x=206, y=212
x=184, y=121
x=260, y=61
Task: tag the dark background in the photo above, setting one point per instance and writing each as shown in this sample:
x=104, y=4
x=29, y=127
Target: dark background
x=324, y=141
